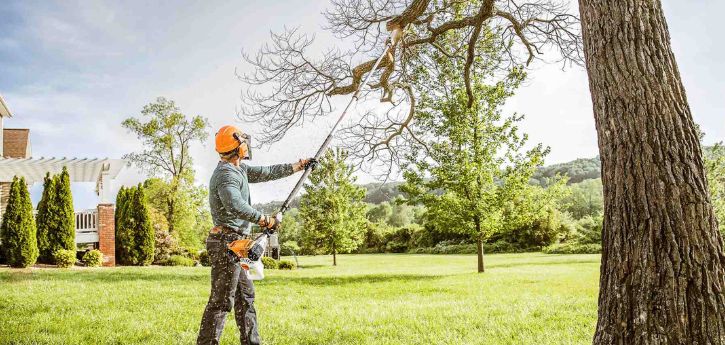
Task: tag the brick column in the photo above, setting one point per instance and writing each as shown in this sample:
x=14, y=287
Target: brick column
x=107, y=233
x=4, y=195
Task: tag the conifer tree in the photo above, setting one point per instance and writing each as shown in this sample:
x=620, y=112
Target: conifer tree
x=44, y=220
x=124, y=242
x=65, y=229
x=17, y=232
x=143, y=231
x=134, y=232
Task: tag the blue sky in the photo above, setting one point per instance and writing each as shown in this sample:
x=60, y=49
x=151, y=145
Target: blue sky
x=71, y=71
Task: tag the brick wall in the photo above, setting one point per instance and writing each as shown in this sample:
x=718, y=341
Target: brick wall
x=107, y=233
x=16, y=143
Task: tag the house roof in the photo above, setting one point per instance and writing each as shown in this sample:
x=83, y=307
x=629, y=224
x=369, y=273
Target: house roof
x=4, y=110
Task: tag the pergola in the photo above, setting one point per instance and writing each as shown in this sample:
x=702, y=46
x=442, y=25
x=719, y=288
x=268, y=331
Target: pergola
x=101, y=171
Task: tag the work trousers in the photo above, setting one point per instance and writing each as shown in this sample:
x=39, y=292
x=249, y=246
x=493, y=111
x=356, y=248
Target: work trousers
x=230, y=287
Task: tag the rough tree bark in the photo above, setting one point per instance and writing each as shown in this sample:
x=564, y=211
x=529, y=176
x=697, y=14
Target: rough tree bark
x=663, y=267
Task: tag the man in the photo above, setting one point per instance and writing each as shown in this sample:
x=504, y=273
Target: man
x=233, y=214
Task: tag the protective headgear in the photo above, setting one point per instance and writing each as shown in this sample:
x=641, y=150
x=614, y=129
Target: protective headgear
x=231, y=141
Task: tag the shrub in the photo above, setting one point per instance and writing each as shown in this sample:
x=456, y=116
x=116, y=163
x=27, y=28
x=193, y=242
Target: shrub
x=269, y=263
x=165, y=245
x=573, y=248
x=287, y=265
x=64, y=258
x=204, y=258
x=92, y=258
x=18, y=233
x=178, y=260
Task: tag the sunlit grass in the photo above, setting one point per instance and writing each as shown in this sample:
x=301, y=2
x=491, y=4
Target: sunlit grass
x=366, y=299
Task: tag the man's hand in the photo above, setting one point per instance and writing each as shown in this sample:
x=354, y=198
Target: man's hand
x=268, y=222
x=304, y=164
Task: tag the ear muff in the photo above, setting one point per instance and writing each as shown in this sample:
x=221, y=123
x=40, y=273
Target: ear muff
x=244, y=150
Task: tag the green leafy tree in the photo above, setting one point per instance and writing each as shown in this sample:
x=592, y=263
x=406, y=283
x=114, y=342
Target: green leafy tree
x=532, y=217
x=192, y=216
x=45, y=220
x=380, y=212
x=474, y=157
x=401, y=213
x=586, y=198
x=332, y=208
x=167, y=134
x=291, y=227
x=17, y=232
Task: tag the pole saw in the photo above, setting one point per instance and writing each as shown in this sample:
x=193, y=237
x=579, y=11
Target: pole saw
x=249, y=253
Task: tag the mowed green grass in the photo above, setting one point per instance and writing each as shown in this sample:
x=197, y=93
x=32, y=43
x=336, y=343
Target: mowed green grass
x=367, y=299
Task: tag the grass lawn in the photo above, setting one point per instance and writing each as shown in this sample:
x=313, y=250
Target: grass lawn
x=367, y=299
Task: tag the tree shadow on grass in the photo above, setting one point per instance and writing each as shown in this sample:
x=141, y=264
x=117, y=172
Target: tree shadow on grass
x=534, y=263
x=347, y=280
x=103, y=276
x=174, y=277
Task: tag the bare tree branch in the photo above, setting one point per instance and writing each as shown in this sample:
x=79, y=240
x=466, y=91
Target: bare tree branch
x=289, y=86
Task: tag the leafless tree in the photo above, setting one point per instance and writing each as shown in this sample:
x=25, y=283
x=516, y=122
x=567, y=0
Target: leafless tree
x=290, y=85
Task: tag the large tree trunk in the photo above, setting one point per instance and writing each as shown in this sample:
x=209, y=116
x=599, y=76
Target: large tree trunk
x=663, y=269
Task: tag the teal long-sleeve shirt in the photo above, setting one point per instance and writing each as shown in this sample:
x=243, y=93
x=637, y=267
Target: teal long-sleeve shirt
x=229, y=199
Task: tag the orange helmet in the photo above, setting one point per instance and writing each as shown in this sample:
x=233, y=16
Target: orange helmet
x=229, y=138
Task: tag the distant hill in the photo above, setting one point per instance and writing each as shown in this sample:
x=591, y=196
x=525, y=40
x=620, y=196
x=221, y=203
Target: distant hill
x=376, y=194
x=578, y=170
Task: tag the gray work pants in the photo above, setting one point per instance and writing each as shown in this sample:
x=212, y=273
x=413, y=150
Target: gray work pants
x=230, y=286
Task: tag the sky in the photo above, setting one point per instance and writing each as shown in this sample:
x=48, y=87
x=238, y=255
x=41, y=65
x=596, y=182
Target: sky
x=71, y=71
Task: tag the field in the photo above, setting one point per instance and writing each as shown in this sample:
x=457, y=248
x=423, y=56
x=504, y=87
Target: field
x=367, y=299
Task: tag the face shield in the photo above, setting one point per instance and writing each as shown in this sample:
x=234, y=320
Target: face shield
x=245, y=145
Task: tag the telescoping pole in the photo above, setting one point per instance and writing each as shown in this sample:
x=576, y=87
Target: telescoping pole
x=388, y=43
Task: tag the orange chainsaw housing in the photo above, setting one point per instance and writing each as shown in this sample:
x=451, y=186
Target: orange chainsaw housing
x=241, y=247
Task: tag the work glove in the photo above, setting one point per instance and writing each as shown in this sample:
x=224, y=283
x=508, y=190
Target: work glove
x=305, y=164
x=268, y=222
